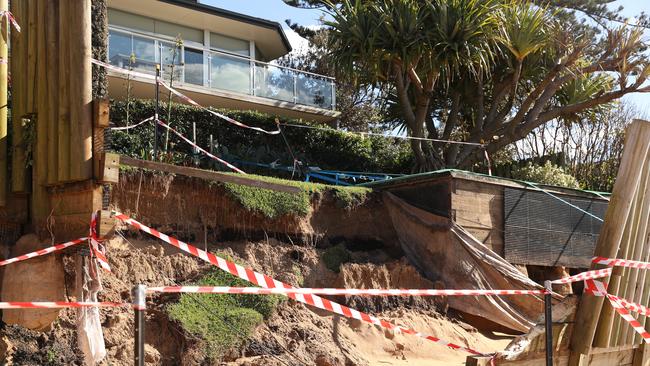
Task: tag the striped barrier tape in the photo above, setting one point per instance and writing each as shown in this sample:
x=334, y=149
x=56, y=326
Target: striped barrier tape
x=217, y=114
x=616, y=262
x=96, y=248
x=132, y=126
x=598, y=288
x=123, y=71
x=41, y=252
x=160, y=122
x=57, y=305
x=10, y=17
x=338, y=291
x=599, y=273
x=265, y=281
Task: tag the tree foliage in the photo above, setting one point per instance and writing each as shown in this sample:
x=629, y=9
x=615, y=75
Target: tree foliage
x=548, y=173
x=487, y=72
x=589, y=149
x=360, y=106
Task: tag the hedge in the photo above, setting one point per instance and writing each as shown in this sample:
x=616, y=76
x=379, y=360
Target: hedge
x=330, y=150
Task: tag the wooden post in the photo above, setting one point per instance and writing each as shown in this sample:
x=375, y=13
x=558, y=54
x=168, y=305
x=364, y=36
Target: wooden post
x=79, y=21
x=603, y=334
x=63, y=155
x=40, y=201
x=4, y=23
x=629, y=175
x=19, y=100
x=32, y=10
x=52, y=91
x=636, y=285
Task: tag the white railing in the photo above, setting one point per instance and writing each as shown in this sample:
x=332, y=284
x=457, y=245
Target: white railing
x=225, y=71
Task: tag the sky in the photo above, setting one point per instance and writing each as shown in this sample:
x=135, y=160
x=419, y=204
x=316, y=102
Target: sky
x=278, y=11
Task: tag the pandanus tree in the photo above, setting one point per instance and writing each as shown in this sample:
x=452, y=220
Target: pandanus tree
x=486, y=72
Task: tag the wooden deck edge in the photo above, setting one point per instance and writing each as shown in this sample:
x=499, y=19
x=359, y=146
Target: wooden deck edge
x=207, y=174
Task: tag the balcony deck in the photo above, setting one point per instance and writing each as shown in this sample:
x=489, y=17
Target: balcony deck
x=145, y=89
x=219, y=79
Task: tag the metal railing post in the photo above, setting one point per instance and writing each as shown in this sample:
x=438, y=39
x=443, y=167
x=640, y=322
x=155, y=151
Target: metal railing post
x=295, y=88
x=139, y=309
x=548, y=321
x=252, y=76
x=333, y=95
x=155, y=124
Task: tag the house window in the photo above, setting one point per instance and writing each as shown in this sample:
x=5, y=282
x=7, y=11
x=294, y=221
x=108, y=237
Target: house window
x=228, y=44
x=193, y=66
x=230, y=73
x=120, y=50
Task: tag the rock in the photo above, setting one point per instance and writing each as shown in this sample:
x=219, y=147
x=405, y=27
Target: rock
x=151, y=355
x=389, y=333
x=324, y=360
x=36, y=279
x=26, y=244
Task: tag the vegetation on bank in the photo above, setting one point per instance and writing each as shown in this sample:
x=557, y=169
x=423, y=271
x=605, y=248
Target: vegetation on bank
x=273, y=204
x=334, y=256
x=327, y=149
x=222, y=321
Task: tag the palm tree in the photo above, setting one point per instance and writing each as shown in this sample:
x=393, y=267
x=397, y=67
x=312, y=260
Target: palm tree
x=417, y=46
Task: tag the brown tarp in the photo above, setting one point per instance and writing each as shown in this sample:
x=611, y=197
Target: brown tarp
x=443, y=251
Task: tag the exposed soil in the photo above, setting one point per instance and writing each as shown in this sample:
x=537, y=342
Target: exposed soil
x=294, y=335
x=287, y=248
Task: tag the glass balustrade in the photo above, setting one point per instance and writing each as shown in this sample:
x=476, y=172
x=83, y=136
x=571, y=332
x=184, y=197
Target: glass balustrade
x=225, y=71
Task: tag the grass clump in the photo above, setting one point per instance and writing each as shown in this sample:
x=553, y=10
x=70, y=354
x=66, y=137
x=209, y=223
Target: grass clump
x=222, y=321
x=270, y=203
x=274, y=204
x=335, y=256
x=350, y=197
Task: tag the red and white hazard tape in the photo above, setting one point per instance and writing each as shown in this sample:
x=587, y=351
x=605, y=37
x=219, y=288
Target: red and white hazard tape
x=616, y=262
x=339, y=291
x=10, y=17
x=123, y=71
x=57, y=305
x=598, y=288
x=200, y=149
x=41, y=252
x=132, y=126
x=217, y=114
x=599, y=273
x=96, y=248
x=265, y=281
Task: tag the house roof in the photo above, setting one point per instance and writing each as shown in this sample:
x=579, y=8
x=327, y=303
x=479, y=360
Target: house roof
x=195, y=5
x=488, y=179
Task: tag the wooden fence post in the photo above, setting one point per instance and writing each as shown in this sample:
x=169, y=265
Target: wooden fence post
x=633, y=166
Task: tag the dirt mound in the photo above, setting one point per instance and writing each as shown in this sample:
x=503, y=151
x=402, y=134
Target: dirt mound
x=298, y=335
x=394, y=274
x=294, y=335
x=22, y=346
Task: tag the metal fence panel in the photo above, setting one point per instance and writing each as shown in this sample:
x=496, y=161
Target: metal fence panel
x=541, y=230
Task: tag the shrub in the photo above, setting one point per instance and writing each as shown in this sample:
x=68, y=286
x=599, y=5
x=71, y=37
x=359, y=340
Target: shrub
x=546, y=174
x=222, y=321
x=335, y=256
x=327, y=149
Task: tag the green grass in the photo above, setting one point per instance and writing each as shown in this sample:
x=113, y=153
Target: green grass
x=274, y=204
x=222, y=321
x=335, y=256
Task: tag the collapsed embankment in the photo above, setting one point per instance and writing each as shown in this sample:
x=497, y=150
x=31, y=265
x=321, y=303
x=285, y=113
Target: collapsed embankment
x=324, y=238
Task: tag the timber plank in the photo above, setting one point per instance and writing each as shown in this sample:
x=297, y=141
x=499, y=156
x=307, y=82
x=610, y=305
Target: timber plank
x=625, y=188
x=207, y=174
